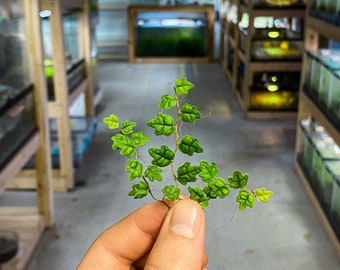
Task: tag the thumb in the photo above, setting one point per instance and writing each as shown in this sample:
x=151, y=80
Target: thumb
x=180, y=243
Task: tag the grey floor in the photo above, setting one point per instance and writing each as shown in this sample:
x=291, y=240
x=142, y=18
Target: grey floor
x=283, y=234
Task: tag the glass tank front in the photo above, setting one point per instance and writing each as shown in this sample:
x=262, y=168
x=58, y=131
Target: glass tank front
x=273, y=38
x=170, y=34
x=275, y=90
x=328, y=10
x=17, y=119
x=335, y=204
x=273, y=3
x=322, y=81
x=74, y=59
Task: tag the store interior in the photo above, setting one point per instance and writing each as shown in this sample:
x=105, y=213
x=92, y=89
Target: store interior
x=266, y=85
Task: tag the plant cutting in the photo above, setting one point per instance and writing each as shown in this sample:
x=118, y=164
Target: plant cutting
x=202, y=181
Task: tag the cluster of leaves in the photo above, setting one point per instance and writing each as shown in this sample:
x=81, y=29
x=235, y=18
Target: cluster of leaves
x=128, y=141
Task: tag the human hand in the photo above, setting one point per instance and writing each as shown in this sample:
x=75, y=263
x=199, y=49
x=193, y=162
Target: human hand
x=152, y=237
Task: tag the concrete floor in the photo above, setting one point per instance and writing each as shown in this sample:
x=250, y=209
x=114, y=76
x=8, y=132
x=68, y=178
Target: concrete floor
x=283, y=234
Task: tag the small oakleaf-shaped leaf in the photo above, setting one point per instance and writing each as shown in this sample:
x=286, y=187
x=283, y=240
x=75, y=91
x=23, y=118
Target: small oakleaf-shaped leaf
x=217, y=188
x=139, y=190
x=127, y=127
x=111, y=121
x=163, y=124
x=182, y=86
x=197, y=194
x=168, y=102
x=161, y=157
x=263, y=195
x=189, y=145
x=134, y=168
x=190, y=113
x=245, y=199
x=208, y=170
x=153, y=173
x=187, y=173
x=139, y=138
x=171, y=192
x=238, y=180
x=125, y=143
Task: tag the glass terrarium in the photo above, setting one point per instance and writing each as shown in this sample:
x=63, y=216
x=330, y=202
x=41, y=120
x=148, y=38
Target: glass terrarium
x=74, y=60
x=275, y=90
x=334, y=170
x=333, y=103
x=17, y=123
x=319, y=65
x=171, y=34
x=274, y=38
x=17, y=119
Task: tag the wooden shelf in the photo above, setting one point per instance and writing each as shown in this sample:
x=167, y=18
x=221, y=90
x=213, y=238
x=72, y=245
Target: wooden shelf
x=30, y=222
x=323, y=28
x=18, y=161
x=29, y=225
x=244, y=58
x=308, y=109
x=63, y=178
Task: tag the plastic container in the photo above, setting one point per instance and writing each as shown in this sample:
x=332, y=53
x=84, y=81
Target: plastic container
x=82, y=132
x=329, y=176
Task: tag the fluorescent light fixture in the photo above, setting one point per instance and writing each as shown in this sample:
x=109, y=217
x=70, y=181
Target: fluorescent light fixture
x=45, y=13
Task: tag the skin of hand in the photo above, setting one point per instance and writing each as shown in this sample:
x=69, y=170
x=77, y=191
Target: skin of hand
x=153, y=237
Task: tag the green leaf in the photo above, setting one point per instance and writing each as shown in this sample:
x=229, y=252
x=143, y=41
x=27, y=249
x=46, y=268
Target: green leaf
x=190, y=113
x=154, y=173
x=139, y=138
x=197, y=194
x=171, y=192
x=187, y=173
x=182, y=86
x=161, y=157
x=168, y=102
x=238, y=180
x=111, y=121
x=127, y=127
x=263, y=195
x=245, y=199
x=125, y=143
x=216, y=188
x=134, y=168
x=139, y=190
x=163, y=124
x=189, y=145
x=208, y=170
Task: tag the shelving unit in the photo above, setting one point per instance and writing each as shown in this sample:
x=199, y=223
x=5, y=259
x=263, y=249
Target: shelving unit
x=58, y=108
x=29, y=222
x=317, y=32
x=229, y=38
x=254, y=57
